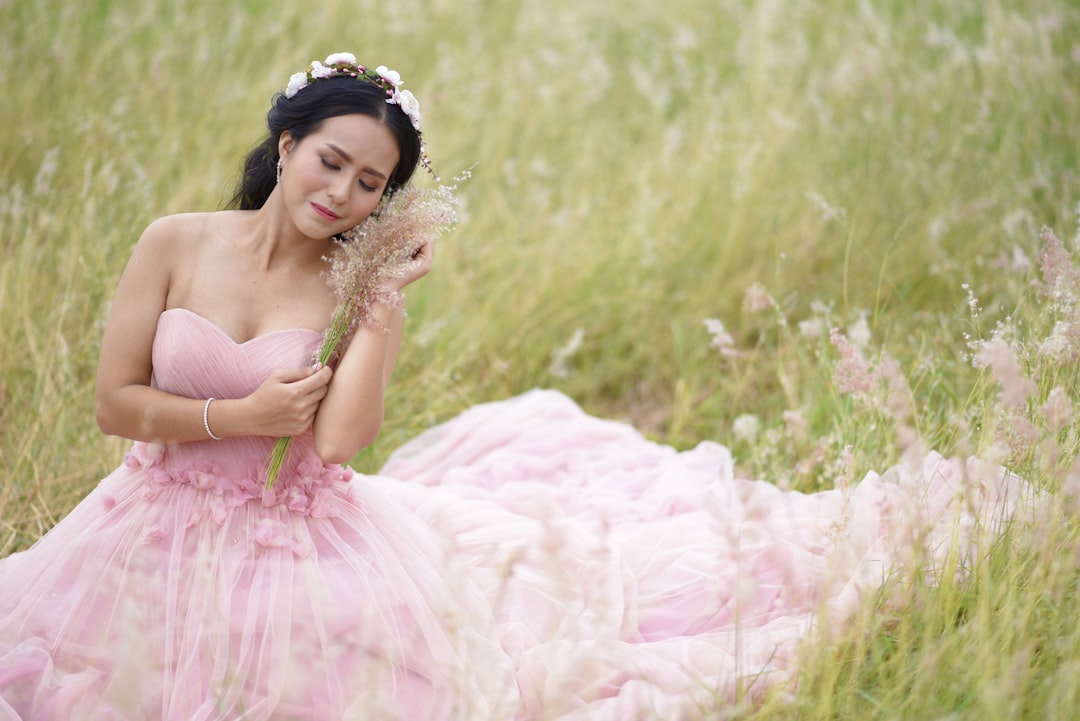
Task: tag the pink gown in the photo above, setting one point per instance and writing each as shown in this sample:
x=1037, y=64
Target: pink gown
x=521, y=561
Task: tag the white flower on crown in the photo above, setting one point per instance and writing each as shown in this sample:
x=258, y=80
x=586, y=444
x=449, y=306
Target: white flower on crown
x=391, y=76
x=297, y=82
x=339, y=58
x=409, y=104
x=318, y=70
x=384, y=78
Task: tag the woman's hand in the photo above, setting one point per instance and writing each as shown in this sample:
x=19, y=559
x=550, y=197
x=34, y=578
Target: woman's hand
x=284, y=405
x=415, y=268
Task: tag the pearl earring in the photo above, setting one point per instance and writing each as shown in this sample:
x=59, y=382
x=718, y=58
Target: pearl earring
x=278, y=170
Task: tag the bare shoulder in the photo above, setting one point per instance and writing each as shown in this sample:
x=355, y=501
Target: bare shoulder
x=183, y=233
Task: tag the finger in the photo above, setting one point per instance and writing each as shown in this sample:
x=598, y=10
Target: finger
x=307, y=418
x=315, y=395
x=316, y=379
x=424, y=251
x=290, y=375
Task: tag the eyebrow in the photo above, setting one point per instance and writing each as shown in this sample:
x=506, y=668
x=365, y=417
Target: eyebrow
x=348, y=159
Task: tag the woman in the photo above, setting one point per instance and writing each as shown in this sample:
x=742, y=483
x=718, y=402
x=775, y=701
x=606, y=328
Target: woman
x=523, y=561
x=181, y=588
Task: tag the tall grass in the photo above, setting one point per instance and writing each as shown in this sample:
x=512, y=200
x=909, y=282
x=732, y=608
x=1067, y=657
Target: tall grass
x=783, y=166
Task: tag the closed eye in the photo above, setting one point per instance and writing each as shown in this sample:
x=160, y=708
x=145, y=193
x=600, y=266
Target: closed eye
x=365, y=186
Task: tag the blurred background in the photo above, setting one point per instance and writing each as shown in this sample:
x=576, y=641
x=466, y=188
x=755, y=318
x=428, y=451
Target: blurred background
x=671, y=204
x=637, y=168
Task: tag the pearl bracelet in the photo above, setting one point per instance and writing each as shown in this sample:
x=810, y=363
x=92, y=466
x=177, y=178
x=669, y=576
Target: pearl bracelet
x=206, y=419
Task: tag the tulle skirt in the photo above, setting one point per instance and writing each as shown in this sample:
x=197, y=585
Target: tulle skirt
x=157, y=599
x=522, y=561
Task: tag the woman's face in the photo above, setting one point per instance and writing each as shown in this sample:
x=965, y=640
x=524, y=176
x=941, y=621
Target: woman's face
x=336, y=176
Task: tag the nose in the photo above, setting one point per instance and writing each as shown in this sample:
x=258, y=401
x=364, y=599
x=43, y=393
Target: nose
x=339, y=190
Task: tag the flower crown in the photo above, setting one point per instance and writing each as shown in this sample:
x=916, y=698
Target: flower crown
x=344, y=64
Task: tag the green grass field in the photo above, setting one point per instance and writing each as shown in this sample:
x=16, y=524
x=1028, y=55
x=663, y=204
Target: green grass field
x=783, y=166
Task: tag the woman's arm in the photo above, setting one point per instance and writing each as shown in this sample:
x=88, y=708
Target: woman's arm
x=127, y=405
x=350, y=416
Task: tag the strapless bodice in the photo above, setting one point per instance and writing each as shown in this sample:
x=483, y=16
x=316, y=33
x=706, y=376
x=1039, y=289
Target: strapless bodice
x=195, y=358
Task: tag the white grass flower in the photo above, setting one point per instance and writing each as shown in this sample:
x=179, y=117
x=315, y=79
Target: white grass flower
x=1057, y=409
x=684, y=38
x=795, y=423
x=937, y=229
x=1058, y=273
x=818, y=323
x=746, y=427
x=898, y=400
x=1000, y=358
x=847, y=468
x=46, y=171
x=1060, y=285
x=756, y=299
x=1018, y=223
x=826, y=210
x=852, y=374
x=1059, y=347
x=428, y=332
x=560, y=359
x=938, y=36
x=720, y=337
x=1076, y=211
x=644, y=79
x=812, y=327
x=972, y=301
x=859, y=332
x=1018, y=262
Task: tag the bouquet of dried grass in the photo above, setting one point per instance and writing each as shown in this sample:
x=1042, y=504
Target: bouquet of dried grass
x=369, y=255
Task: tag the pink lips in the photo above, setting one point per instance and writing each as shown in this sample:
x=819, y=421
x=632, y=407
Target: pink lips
x=325, y=212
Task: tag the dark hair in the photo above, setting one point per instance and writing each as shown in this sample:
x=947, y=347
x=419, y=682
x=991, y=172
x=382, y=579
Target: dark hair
x=305, y=113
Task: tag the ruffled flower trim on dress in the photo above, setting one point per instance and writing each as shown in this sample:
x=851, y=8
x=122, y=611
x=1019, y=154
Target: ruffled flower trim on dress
x=314, y=488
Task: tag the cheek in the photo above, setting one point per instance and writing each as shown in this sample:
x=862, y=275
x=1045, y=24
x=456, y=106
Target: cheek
x=366, y=204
